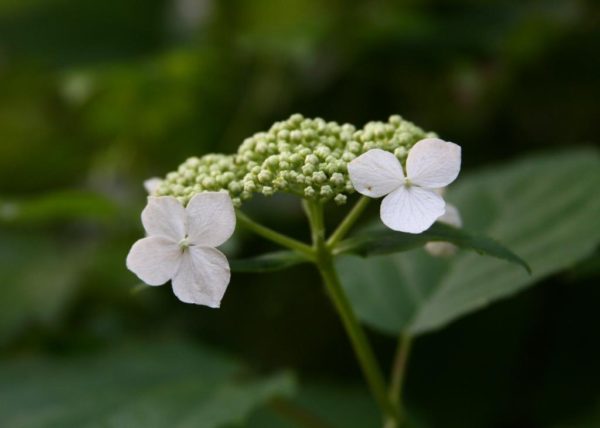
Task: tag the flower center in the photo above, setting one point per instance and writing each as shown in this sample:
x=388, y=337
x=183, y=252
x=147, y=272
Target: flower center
x=184, y=243
x=407, y=182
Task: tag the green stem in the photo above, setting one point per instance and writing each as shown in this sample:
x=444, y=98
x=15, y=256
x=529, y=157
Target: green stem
x=274, y=236
x=397, y=377
x=348, y=222
x=358, y=338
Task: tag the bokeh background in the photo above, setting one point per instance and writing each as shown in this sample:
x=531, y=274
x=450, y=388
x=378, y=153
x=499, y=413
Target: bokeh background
x=98, y=95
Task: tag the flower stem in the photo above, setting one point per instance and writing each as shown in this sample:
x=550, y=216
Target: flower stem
x=358, y=338
x=274, y=236
x=397, y=377
x=348, y=222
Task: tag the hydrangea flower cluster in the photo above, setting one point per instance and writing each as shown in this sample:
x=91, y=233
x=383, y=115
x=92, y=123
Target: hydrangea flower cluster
x=305, y=157
x=192, y=211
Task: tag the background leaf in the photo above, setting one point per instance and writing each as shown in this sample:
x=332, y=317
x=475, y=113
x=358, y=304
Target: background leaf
x=385, y=241
x=61, y=205
x=150, y=386
x=38, y=277
x=545, y=208
x=325, y=405
x=269, y=262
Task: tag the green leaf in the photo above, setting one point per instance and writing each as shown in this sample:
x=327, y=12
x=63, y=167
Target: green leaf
x=39, y=277
x=379, y=242
x=62, y=205
x=320, y=405
x=269, y=262
x=545, y=208
x=151, y=386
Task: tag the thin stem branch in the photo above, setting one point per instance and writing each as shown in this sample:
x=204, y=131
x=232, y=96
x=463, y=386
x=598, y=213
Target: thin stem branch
x=348, y=222
x=397, y=377
x=358, y=338
x=274, y=236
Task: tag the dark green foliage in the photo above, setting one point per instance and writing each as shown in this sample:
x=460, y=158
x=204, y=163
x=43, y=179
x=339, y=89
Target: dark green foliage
x=96, y=96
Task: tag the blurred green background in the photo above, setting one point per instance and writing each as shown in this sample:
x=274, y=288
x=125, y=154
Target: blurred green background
x=98, y=95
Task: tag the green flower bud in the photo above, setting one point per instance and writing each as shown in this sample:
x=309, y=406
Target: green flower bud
x=309, y=192
x=296, y=135
x=348, y=157
x=337, y=178
x=401, y=153
x=311, y=159
x=319, y=177
x=284, y=134
x=308, y=169
x=326, y=191
x=340, y=199
x=280, y=183
x=249, y=187
x=208, y=182
x=306, y=157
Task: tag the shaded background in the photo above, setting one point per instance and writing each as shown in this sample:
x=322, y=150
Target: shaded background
x=98, y=95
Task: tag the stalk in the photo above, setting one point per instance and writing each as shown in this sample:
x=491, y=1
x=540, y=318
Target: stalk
x=360, y=344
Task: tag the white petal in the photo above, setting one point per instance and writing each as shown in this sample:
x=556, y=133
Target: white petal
x=411, y=209
x=376, y=173
x=210, y=218
x=152, y=184
x=164, y=216
x=202, y=277
x=451, y=216
x=154, y=259
x=433, y=163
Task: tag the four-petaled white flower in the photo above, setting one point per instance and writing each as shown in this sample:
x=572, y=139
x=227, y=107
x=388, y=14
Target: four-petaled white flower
x=180, y=246
x=412, y=204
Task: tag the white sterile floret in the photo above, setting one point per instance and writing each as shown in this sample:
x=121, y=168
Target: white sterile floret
x=180, y=246
x=412, y=204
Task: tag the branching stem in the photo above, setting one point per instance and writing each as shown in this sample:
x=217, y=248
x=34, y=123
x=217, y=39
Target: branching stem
x=322, y=253
x=348, y=222
x=274, y=236
x=358, y=338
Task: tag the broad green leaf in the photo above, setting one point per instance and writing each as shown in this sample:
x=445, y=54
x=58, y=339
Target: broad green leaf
x=63, y=205
x=320, y=405
x=38, y=276
x=380, y=241
x=545, y=208
x=151, y=386
x=268, y=262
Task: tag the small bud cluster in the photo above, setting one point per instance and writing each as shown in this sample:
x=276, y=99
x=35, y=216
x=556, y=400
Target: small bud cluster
x=305, y=157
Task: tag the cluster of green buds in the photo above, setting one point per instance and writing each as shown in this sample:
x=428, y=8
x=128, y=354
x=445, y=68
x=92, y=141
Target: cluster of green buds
x=305, y=157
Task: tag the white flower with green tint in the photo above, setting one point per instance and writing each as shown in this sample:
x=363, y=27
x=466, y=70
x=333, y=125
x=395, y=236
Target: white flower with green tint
x=411, y=203
x=180, y=246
